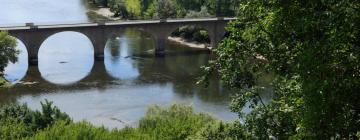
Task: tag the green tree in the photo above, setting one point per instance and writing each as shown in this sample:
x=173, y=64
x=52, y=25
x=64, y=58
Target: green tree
x=133, y=8
x=119, y=8
x=313, y=48
x=8, y=52
x=165, y=9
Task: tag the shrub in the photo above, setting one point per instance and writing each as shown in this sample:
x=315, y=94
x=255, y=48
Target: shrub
x=18, y=121
x=173, y=123
x=201, y=36
x=221, y=131
x=75, y=131
x=14, y=128
x=201, y=14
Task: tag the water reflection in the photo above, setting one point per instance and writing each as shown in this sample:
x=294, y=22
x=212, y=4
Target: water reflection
x=66, y=58
x=14, y=72
x=118, y=55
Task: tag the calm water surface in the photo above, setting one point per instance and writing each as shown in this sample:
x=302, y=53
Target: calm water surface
x=119, y=88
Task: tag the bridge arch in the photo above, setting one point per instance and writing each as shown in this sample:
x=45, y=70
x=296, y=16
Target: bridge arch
x=86, y=35
x=66, y=57
x=121, y=50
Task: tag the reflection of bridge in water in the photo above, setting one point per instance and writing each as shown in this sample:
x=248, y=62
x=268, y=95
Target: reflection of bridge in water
x=34, y=35
x=97, y=77
x=155, y=71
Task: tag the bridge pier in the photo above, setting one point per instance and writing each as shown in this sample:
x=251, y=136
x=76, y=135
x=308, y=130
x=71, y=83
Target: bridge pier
x=160, y=46
x=216, y=33
x=33, y=47
x=33, y=61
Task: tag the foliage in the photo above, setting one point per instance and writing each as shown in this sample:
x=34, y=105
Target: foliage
x=3, y=82
x=133, y=8
x=313, y=47
x=192, y=33
x=222, y=8
x=221, y=131
x=14, y=128
x=19, y=121
x=202, y=13
x=8, y=52
x=153, y=9
x=281, y=117
x=165, y=9
x=119, y=8
x=76, y=131
x=176, y=122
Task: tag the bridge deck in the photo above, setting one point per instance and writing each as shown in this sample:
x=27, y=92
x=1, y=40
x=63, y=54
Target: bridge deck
x=108, y=23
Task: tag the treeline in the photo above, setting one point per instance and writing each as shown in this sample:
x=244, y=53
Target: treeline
x=159, y=9
x=163, y=9
x=173, y=123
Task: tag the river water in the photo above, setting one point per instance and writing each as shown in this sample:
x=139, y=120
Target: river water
x=102, y=92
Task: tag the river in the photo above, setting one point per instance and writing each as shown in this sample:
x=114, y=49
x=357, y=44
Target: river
x=102, y=92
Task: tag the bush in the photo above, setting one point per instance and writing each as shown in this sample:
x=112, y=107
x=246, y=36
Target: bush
x=192, y=33
x=173, y=123
x=176, y=123
x=201, y=14
x=14, y=128
x=221, y=131
x=17, y=121
x=75, y=131
x=201, y=36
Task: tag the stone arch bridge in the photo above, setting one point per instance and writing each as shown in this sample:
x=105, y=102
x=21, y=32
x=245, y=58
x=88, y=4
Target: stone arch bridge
x=33, y=35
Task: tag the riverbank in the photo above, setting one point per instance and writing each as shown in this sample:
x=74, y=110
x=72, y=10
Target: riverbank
x=3, y=82
x=96, y=12
x=193, y=44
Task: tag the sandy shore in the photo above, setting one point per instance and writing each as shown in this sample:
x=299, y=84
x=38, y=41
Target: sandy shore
x=101, y=13
x=189, y=44
x=104, y=12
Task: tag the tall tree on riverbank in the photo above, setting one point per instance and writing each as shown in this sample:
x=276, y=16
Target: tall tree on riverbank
x=8, y=53
x=313, y=48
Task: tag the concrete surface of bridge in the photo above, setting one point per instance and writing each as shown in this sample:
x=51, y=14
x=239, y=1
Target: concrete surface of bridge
x=33, y=35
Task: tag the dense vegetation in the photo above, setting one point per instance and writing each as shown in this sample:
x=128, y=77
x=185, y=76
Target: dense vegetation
x=155, y=9
x=8, y=53
x=313, y=48
x=173, y=123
